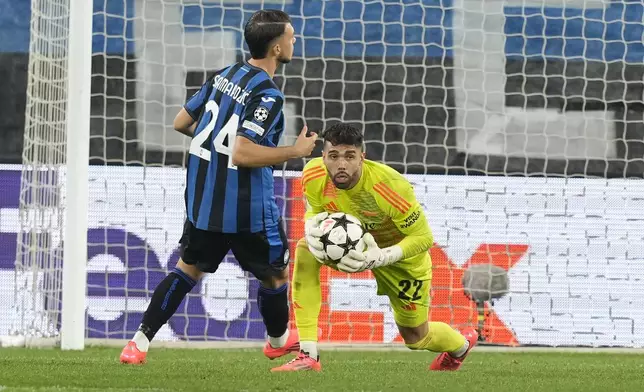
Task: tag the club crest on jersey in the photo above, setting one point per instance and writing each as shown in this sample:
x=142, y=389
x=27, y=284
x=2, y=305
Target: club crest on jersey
x=261, y=114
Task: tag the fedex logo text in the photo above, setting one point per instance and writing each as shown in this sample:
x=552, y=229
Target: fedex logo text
x=573, y=249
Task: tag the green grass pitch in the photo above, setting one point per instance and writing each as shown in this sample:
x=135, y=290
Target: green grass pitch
x=98, y=369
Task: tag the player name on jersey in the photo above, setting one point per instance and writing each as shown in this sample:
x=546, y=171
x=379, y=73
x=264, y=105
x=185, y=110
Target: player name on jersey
x=227, y=87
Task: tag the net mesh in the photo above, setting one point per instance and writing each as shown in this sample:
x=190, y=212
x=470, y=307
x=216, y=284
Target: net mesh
x=470, y=99
x=38, y=275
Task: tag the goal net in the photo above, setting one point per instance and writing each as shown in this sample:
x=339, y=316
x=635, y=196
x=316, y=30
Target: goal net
x=519, y=122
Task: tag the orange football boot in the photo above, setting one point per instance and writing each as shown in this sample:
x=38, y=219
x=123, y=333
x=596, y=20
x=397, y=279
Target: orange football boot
x=446, y=362
x=131, y=355
x=301, y=362
x=292, y=346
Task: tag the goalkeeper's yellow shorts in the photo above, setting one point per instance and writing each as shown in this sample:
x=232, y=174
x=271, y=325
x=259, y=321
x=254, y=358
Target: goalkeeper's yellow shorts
x=407, y=284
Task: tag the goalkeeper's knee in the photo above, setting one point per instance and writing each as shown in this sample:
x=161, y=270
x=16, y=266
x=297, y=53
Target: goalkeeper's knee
x=440, y=338
x=303, y=256
x=420, y=344
x=306, y=268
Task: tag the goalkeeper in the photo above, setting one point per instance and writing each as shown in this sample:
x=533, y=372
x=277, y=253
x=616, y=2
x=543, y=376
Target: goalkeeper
x=398, y=240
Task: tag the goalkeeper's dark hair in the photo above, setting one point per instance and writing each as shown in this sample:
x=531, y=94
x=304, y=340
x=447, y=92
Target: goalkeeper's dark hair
x=261, y=30
x=343, y=134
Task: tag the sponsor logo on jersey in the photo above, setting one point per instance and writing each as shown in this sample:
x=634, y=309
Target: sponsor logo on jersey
x=251, y=126
x=411, y=219
x=370, y=225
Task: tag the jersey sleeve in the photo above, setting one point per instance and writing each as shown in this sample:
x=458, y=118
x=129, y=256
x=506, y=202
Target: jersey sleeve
x=195, y=104
x=399, y=202
x=261, y=115
x=313, y=176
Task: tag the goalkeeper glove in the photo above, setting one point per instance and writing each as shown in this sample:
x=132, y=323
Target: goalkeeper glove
x=313, y=232
x=372, y=257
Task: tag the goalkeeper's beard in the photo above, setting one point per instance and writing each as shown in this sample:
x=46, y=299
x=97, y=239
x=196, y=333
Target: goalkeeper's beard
x=345, y=181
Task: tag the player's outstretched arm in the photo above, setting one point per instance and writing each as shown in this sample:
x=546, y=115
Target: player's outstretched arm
x=247, y=153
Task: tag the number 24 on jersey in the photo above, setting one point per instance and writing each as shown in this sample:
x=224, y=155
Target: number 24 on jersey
x=224, y=140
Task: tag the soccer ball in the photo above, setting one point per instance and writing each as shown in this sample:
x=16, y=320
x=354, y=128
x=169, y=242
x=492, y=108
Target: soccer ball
x=341, y=233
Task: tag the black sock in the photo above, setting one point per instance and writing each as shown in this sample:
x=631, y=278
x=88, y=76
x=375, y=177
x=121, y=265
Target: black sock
x=166, y=299
x=273, y=305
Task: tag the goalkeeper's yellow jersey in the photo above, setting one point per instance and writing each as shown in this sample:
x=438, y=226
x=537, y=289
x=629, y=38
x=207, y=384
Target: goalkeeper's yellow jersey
x=382, y=199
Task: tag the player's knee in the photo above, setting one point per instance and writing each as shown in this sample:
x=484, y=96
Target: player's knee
x=191, y=270
x=414, y=344
x=306, y=273
x=414, y=336
x=276, y=281
x=305, y=269
x=303, y=256
x=302, y=244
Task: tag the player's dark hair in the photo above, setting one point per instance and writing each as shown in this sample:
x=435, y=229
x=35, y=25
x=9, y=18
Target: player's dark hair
x=261, y=30
x=343, y=134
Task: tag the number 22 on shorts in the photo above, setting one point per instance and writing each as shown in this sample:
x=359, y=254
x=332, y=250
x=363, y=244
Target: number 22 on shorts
x=405, y=286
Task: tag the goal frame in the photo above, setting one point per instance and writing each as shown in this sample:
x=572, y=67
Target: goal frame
x=72, y=308
x=79, y=68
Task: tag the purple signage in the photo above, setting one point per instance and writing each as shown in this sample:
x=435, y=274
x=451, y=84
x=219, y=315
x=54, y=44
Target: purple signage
x=124, y=267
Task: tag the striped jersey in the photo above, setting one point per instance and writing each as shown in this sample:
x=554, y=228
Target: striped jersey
x=239, y=100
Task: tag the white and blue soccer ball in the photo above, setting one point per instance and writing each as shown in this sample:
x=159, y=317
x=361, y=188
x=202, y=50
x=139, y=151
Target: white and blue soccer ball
x=341, y=233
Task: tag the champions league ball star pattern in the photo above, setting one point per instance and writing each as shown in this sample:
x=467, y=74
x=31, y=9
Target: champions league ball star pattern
x=342, y=233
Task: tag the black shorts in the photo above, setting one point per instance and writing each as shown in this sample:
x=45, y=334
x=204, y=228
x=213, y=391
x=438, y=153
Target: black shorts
x=264, y=254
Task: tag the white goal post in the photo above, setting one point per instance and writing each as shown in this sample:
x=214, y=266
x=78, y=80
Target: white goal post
x=72, y=329
x=519, y=122
x=49, y=304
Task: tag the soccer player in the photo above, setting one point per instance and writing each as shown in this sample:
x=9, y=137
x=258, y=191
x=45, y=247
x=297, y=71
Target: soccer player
x=230, y=203
x=398, y=239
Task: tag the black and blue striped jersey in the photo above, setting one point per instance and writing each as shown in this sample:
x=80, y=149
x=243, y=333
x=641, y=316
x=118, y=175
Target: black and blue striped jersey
x=239, y=100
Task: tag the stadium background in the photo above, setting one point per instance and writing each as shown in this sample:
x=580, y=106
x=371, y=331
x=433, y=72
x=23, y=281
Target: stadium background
x=357, y=63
